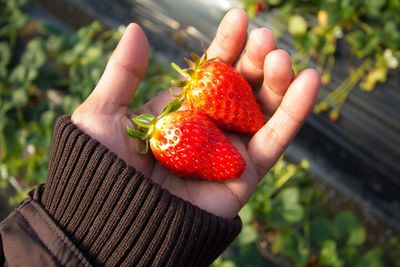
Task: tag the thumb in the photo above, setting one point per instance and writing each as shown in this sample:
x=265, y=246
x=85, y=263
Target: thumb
x=124, y=70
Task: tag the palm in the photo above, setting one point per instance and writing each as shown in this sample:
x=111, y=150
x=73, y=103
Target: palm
x=285, y=101
x=202, y=193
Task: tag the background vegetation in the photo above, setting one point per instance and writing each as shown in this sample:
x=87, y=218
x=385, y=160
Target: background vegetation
x=367, y=30
x=46, y=71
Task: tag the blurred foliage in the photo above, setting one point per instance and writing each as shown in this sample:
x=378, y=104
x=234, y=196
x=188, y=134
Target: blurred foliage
x=370, y=29
x=289, y=220
x=46, y=71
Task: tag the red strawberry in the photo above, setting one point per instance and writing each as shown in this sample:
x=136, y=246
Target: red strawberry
x=189, y=144
x=217, y=90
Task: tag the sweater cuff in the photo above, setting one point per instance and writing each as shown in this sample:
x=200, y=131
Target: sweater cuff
x=118, y=217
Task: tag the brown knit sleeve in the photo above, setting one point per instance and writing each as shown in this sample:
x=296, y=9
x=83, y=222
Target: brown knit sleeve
x=116, y=217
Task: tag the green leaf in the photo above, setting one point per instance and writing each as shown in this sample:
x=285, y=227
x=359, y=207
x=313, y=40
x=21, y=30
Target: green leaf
x=228, y=263
x=19, y=97
x=304, y=253
x=322, y=230
x=34, y=55
x=18, y=74
x=178, y=83
x=190, y=72
x=274, y=2
x=47, y=118
x=391, y=35
x=350, y=230
x=372, y=258
x=31, y=74
x=70, y=103
x=172, y=106
x=374, y=6
x=143, y=120
x=87, y=33
x=277, y=245
x=247, y=236
x=289, y=196
x=91, y=54
x=357, y=236
x=135, y=133
x=293, y=213
x=246, y=214
x=292, y=244
x=350, y=256
x=196, y=58
x=217, y=262
x=329, y=254
x=5, y=57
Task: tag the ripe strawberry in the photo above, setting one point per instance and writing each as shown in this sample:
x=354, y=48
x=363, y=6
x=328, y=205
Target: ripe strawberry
x=189, y=144
x=260, y=6
x=217, y=90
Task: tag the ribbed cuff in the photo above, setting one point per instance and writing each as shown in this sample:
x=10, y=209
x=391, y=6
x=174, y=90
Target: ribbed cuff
x=117, y=217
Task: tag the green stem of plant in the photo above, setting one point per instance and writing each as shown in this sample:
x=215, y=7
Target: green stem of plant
x=180, y=70
x=353, y=80
x=363, y=25
x=337, y=98
x=329, y=62
x=283, y=180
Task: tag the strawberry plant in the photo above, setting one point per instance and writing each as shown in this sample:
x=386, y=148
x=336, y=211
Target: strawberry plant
x=369, y=29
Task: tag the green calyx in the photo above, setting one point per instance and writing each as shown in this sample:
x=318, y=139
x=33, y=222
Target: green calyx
x=145, y=124
x=187, y=74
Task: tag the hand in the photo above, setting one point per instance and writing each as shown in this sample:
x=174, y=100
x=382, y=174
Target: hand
x=286, y=100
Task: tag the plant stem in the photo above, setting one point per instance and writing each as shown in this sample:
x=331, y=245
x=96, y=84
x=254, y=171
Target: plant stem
x=282, y=181
x=337, y=98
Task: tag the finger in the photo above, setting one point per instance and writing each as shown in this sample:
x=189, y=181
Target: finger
x=230, y=38
x=271, y=140
x=278, y=75
x=125, y=69
x=261, y=41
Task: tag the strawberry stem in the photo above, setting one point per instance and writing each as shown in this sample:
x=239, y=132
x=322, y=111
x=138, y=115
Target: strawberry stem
x=180, y=71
